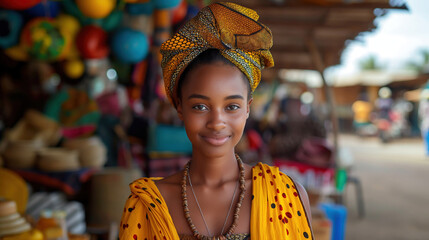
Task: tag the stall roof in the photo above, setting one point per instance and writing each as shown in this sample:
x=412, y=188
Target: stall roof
x=310, y=34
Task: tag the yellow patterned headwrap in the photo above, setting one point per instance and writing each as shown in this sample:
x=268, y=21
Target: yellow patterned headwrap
x=229, y=27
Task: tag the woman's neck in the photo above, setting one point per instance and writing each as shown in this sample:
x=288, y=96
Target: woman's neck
x=213, y=172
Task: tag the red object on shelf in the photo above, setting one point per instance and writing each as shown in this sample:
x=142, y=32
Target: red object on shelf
x=92, y=42
x=324, y=176
x=18, y=4
x=302, y=167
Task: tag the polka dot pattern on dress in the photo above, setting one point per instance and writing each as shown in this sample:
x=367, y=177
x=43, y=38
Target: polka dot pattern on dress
x=284, y=207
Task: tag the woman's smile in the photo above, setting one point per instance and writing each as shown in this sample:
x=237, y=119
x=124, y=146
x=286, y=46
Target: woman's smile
x=216, y=140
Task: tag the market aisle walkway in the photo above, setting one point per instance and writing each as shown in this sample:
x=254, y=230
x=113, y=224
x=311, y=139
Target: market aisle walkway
x=395, y=178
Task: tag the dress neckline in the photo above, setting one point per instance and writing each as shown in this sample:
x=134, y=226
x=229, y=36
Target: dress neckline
x=244, y=236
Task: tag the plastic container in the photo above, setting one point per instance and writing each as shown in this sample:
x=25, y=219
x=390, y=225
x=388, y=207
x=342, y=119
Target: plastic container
x=338, y=216
x=53, y=226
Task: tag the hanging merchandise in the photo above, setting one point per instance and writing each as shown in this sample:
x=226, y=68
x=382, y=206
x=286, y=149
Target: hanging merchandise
x=11, y=23
x=142, y=23
x=108, y=23
x=96, y=8
x=130, y=46
x=137, y=1
x=47, y=8
x=92, y=42
x=162, y=18
x=112, y=21
x=191, y=12
x=69, y=26
x=141, y=8
x=73, y=68
x=148, y=92
x=77, y=114
x=42, y=39
x=179, y=12
x=18, y=4
x=166, y=4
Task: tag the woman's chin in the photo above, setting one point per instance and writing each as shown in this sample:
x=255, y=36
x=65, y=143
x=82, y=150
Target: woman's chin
x=215, y=152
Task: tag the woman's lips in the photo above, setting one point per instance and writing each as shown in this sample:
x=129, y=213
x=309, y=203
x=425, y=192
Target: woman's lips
x=216, y=140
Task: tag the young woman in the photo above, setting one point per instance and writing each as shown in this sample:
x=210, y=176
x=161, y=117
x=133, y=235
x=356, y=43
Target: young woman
x=211, y=67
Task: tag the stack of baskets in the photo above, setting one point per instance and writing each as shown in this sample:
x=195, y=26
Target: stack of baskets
x=32, y=143
x=92, y=152
x=33, y=132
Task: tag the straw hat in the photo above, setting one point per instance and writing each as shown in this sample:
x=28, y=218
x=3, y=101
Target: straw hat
x=92, y=152
x=14, y=188
x=57, y=160
x=10, y=220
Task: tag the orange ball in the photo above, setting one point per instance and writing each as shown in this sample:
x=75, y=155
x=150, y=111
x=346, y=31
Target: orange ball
x=74, y=68
x=96, y=8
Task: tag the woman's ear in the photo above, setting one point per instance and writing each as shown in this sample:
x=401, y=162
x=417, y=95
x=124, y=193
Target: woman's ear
x=248, y=107
x=179, y=110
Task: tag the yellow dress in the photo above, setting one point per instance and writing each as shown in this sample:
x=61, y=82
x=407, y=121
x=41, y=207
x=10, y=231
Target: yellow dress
x=277, y=211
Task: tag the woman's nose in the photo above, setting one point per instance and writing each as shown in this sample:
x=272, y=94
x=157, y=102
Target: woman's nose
x=216, y=121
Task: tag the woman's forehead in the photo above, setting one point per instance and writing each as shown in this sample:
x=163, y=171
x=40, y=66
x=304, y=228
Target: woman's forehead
x=215, y=78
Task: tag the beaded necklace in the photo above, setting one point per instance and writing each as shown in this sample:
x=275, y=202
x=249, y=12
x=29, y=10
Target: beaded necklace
x=231, y=229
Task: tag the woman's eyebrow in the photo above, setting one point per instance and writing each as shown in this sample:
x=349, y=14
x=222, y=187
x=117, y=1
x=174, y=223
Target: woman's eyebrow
x=207, y=98
x=234, y=97
x=198, y=96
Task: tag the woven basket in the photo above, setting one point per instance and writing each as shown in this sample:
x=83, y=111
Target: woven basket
x=34, y=126
x=92, y=152
x=57, y=160
x=47, y=128
x=21, y=154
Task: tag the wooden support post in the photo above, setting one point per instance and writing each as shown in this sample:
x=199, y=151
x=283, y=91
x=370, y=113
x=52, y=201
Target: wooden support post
x=320, y=66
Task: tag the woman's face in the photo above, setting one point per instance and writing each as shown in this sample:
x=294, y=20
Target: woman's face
x=214, y=108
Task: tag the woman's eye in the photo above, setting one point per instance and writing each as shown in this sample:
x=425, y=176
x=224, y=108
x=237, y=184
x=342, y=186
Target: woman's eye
x=200, y=107
x=232, y=107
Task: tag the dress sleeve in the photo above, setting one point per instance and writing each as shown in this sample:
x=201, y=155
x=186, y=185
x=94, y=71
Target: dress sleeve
x=145, y=215
x=132, y=221
x=277, y=209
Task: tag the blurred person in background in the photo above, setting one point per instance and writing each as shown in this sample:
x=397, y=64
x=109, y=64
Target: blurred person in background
x=424, y=118
x=362, y=117
x=384, y=105
x=401, y=110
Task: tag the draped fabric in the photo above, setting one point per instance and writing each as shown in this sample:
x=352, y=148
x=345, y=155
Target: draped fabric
x=277, y=209
x=145, y=214
x=276, y=213
x=229, y=27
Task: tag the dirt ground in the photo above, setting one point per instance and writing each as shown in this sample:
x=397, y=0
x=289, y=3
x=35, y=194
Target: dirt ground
x=395, y=179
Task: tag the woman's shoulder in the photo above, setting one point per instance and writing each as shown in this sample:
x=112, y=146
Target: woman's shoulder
x=273, y=175
x=272, y=172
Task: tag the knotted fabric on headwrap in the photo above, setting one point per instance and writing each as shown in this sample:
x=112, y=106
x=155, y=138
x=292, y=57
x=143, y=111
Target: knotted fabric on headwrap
x=229, y=27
